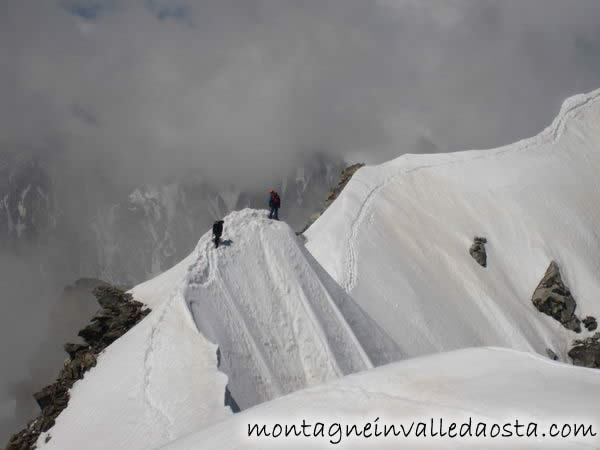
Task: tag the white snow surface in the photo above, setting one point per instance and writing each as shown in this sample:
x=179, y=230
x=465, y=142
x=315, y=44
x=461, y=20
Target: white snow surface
x=279, y=321
x=156, y=383
x=398, y=237
x=489, y=385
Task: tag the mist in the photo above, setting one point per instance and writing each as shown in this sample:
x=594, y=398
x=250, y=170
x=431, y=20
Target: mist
x=112, y=94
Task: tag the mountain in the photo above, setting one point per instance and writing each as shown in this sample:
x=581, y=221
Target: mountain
x=156, y=226
x=112, y=230
x=392, y=275
x=398, y=238
x=27, y=206
x=128, y=236
x=280, y=322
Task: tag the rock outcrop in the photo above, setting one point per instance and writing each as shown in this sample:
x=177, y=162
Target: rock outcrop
x=553, y=298
x=345, y=177
x=590, y=323
x=477, y=251
x=119, y=313
x=586, y=352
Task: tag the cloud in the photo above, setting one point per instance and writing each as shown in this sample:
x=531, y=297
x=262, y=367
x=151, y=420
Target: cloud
x=236, y=88
x=113, y=93
x=87, y=9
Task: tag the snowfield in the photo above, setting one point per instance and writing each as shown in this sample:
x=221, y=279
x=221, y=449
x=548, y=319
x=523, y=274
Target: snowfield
x=398, y=237
x=488, y=385
x=385, y=275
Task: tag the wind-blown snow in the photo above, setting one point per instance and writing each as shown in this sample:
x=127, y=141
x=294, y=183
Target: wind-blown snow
x=398, y=236
x=490, y=385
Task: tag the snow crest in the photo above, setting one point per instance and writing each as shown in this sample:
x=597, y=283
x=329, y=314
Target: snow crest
x=400, y=246
x=278, y=326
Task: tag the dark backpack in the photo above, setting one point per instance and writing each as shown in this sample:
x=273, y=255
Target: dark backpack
x=276, y=200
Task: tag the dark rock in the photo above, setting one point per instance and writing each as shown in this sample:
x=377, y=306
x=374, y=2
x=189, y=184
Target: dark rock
x=93, y=333
x=229, y=401
x=590, y=323
x=553, y=356
x=586, y=352
x=73, y=349
x=46, y=396
x=74, y=369
x=119, y=314
x=111, y=297
x=477, y=251
x=345, y=177
x=553, y=298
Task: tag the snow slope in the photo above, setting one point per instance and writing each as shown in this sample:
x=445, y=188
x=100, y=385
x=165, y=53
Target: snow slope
x=156, y=383
x=398, y=237
x=490, y=385
x=280, y=323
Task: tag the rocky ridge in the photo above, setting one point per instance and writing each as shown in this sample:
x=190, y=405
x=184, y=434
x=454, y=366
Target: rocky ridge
x=345, y=176
x=119, y=313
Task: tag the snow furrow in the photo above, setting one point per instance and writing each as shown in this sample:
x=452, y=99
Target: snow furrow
x=265, y=371
x=278, y=283
x=148, y=398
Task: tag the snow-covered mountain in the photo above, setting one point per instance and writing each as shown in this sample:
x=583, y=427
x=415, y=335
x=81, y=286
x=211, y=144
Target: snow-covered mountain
x=27, y=206
x=397, y=239
x=386, y=275
x=281, y=323
x=108, y=229
x=126, y=237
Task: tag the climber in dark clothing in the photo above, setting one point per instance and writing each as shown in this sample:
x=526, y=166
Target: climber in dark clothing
x=274, y=204
x=217, y=231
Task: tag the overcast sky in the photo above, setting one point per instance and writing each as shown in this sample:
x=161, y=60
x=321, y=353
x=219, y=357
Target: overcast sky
x=235, y=90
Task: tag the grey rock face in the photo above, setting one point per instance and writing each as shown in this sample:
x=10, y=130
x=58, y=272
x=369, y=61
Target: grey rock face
x=345, y=176
x=477, y=251
x=586, y=352
x=590, y=323
x=553, y=298
x=119, y=313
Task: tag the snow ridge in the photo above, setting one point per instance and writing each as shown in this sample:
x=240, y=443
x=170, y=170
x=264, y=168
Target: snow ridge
x=262, y=303
x=570, y=108
x=210, y=259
